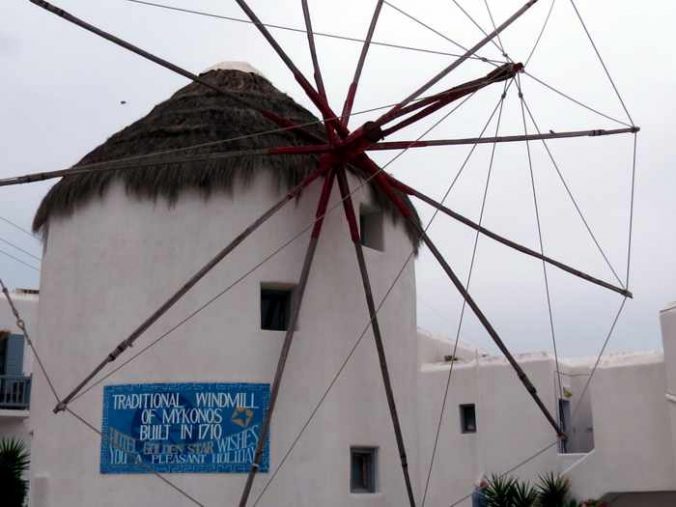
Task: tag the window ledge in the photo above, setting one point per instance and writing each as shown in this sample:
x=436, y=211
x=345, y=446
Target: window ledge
x=14, y=414
x=365, y=495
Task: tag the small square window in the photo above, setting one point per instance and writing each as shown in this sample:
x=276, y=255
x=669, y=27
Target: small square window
x=468, y=418
x=275, y=307
x=371, y=227
x=363, y=469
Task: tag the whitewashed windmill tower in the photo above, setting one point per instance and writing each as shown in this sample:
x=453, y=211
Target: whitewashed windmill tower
x=117, y=244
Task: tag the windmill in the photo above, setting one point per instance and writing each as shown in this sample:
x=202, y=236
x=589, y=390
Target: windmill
x=338, y=150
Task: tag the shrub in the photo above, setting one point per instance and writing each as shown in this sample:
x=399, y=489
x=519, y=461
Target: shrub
x=551, y=490
x=500, y=491
x=554, y=491
x=525, y=495
x=14, y=460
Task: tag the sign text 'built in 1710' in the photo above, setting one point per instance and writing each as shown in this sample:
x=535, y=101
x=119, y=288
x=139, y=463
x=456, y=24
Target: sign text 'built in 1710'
x=189, y=428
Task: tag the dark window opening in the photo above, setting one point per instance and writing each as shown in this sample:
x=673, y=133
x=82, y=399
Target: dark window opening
x=275, y=308
x=468, y=418
x=564, y=418
x=371, y=227
x=363, y=469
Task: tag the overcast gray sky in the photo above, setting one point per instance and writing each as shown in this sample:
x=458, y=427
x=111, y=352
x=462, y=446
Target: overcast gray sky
x=61, y=93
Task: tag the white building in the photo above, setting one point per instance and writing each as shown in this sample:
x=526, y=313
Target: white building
x=116, y=246
x=621, y=430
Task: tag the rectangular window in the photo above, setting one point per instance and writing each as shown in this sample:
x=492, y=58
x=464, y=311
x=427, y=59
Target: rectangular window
x=468, y=418
x=363, y=469
x=275, y=307
x=371, y=227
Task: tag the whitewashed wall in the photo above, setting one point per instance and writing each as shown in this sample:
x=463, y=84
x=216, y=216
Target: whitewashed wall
x=510, y=427
x=621, y=435
x=631, y=427
x=115, y=260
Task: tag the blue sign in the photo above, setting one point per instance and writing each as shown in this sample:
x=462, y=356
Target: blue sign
x=182, y=428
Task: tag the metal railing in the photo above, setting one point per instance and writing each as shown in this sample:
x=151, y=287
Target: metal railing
x=15, y=392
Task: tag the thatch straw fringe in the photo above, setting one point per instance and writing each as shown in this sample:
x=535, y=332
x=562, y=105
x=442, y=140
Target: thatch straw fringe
x=197, y=115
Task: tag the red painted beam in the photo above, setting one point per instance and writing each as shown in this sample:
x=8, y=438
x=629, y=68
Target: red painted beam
x=398, y=145
x=443, y=99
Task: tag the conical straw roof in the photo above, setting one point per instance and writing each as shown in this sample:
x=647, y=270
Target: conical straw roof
x=197, y=115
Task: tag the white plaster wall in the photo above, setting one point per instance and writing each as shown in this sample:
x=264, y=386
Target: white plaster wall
x=456, y=464
x=631, y=427
x=115, y=260
x=518, y=428
x=510, y=427
x=14, y=425
x=619, y=429
x=433, y=349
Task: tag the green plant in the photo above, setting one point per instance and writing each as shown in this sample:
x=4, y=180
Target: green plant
x=551, y=490
x=554, y=491
x=14, y=460
x=524, y=495
x=500, y=491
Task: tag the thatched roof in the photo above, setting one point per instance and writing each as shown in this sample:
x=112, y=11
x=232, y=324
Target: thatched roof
x=192, y=116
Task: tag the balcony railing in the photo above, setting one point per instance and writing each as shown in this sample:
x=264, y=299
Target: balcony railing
x=15, y=392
